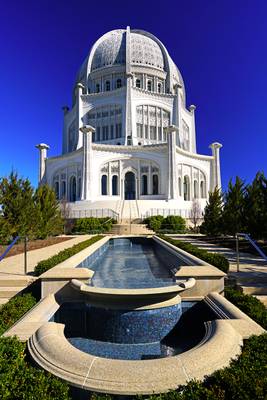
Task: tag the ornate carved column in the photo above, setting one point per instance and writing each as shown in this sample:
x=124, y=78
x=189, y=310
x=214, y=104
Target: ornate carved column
x=79, y=92
x=42, y=147
x=87, y=131
x=216, y=169
x=172, y=173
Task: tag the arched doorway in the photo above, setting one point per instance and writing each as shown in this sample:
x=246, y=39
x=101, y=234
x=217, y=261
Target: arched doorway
x=129, y=186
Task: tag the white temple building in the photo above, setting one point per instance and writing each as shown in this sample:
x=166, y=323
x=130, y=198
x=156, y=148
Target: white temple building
x=129, y=135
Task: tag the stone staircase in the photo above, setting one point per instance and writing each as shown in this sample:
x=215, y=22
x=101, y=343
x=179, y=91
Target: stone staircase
x=10, y=285
x=125, y=228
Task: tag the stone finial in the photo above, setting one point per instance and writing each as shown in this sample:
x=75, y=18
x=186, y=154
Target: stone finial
x=42, y=146
x=215, y=145
x=80, y=85
x=65, y=109
x=192, y=108
x=87, y=129
x=172, y=128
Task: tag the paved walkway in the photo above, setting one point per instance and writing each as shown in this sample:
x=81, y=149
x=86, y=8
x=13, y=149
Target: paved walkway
x=14, y=265
x=252, y=275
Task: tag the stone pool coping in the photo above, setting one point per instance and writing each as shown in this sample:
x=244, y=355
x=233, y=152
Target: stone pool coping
x=208, y=278
x=134, y=299
x=51, y=350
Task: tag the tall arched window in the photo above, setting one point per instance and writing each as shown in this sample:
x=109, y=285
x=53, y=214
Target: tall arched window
x=144, y=185
x=97, y=88
x=195, y=190
x=73, y=188
x=56, y=188
x=114, y=185
x=118, y=83
x=149, y=86
x=159, y=87
x=138, y=83
x=63, y=190
x=79, y=187
x=104, y=185
x=107, y=86
x=202, y=190
x=155, y=183
x=180, y=186
x=186, y=188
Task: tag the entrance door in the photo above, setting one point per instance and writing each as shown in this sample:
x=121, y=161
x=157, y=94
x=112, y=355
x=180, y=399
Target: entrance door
x=129, y=186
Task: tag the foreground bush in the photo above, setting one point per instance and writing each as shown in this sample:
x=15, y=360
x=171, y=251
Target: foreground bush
x=63, y=255
x=249, y=305
x=244, y=379
x=20, y=380
x=218, y=260
x=92, y=225
x=14, y=309
x=171, y=224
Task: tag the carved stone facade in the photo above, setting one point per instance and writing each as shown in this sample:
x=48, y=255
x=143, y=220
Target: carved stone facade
x=129, y=134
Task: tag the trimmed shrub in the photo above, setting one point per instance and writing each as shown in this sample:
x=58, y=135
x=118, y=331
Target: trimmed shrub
x=248, y=304
x=174, y=223
x=244, y=379
x=92, y=225
x=154, y=222
x=63, y=255
x=218, y=260
x=170, y=224
x=14, y=309
x=20, y=380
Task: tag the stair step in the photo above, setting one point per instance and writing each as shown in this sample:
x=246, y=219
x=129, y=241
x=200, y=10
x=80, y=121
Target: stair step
x=255, y=289
x=262, y=298
x=17, y=282
x=8, y=292
x=3, y=301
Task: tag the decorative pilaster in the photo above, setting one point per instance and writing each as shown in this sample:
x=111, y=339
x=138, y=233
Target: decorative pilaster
x=79, y=92
x=87, y=131
x=216, y=168
x=172, y=175
x=193, y=149
x=129, y=77
x=42, y=147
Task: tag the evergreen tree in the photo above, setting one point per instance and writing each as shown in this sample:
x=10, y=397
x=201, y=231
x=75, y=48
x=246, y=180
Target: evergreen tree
x=48, y=212
x=212, y=224
x=234, y=207
x=17, y=206
x=256, y=207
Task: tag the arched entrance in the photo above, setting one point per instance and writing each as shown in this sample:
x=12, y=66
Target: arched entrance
x=129, y=186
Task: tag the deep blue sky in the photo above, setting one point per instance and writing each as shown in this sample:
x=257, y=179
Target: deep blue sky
x=220, y=48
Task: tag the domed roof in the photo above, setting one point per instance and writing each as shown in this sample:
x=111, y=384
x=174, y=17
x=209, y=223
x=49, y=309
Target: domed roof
x=146, y=51
x=111, y=50
x=132, y=47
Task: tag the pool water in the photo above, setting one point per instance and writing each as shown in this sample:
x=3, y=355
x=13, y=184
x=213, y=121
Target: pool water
x=84, y=334
x=132, y=263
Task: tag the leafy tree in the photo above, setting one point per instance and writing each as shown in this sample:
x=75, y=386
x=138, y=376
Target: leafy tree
x=212, y=224
x=234, y=207
x=256, y=207
x=48, y=212
x=18, y=210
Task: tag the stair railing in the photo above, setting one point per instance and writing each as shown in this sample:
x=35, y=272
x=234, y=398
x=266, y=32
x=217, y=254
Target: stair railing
x=10, y=247
x=251, y=241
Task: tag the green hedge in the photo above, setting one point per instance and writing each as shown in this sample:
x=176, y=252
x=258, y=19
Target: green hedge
x=63, y=255
x=218, y=260
x=249, y=305
x=244, y=379
x=169, y=224
x=14, y=309
x=93, y=225
x=20, y=380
